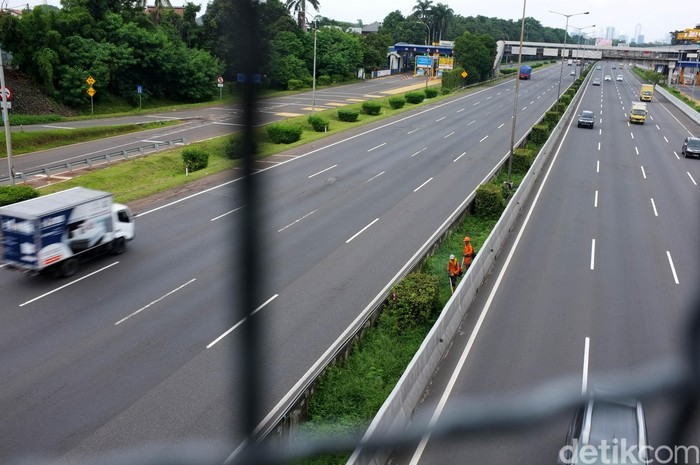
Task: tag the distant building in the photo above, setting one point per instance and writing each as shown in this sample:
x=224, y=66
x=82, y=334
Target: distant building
x=610, y=32
x=180, y=10
x=640, y=39
x=371, y=28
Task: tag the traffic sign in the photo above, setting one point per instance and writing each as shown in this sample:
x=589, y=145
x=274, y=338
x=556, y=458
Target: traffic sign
x=7, y=92
x=423, y=61
x=9, y=105
x=464, y=74
x=90, y=80
x=220, y=80
x=91, y=91
x=139, y=89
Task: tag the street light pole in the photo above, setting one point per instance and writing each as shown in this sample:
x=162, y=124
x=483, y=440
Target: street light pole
x=6, y=122
x=313, y=81
x=431, y=60
x=579, y=45
x=566, y=29
x=509, y=181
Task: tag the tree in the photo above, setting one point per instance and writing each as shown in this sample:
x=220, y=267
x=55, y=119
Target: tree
x=299, y=7
x=157, y=13
x=421, y=12
x=441, y=16
x=375, y=47
x=338, y=53
x=476, y=54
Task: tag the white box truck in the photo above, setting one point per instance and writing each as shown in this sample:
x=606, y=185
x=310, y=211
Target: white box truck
x=52, y=233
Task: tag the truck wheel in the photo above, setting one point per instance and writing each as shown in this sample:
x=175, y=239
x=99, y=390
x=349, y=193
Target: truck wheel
x=118, y=246
x=69, y=267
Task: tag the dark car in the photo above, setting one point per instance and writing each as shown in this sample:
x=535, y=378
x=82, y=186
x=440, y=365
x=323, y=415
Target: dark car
x=604, y=422
x=586, y=119
x=691, y=147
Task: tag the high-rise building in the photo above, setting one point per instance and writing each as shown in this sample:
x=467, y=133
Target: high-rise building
x=610, y=32
x=637, y=34
x=640, y=39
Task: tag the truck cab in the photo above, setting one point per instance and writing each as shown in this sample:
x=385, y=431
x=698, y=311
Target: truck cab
x=638, y=114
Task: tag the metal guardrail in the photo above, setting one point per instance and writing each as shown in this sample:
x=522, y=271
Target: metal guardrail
x=89, y=162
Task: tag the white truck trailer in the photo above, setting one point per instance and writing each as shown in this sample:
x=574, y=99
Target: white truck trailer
x=52, y=233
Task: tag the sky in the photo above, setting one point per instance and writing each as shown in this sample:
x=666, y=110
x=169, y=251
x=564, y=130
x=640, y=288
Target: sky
x=656, y=17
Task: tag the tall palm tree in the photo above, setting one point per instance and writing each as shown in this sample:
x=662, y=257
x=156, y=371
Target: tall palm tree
x=157, y=12
x=441, y=16
x=421, y=11
x=299, y=7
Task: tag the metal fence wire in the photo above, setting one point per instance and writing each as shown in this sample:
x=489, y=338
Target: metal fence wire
x=677, y=379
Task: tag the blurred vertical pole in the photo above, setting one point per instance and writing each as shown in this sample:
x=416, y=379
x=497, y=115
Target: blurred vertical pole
x=6, y=123
x=509, y=181
x=249, y=269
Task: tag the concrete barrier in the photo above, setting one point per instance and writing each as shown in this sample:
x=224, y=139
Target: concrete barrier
x=680, y=104
x=397, y=411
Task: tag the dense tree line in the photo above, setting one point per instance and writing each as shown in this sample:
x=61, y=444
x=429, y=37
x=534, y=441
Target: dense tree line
x=120, y=46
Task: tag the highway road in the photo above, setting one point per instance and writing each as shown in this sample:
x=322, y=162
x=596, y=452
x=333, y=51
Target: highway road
x=599, y=277
x=142, y=347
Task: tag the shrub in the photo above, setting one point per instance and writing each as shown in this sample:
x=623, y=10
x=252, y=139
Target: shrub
x=371, y=108
x=413, y=300
x=431, y=92
x=323, y=80
x=551, y=118
x=13, y=194
x=565, y=99
x=489, y=202
x=349, y=116
x=195, y=158
x=415, y=97
x=284, y=133
x=522, y=160
x=452, y=79
x=397, y=102
x=234, y=148
x=318, y=123
x=295, y=84
x=539, y=134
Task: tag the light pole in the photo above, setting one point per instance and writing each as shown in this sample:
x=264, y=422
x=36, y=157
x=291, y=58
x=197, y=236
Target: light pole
x=431, y=60
x=6, y=123
x=697, y=72
x=566, y=29
x=313, y=81
x=579, y=44
x=509, y=181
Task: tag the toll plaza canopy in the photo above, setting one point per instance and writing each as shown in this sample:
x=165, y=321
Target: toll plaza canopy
x=401, y=54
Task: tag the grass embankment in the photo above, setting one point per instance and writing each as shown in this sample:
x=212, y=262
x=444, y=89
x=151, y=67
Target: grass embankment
x=32, y=141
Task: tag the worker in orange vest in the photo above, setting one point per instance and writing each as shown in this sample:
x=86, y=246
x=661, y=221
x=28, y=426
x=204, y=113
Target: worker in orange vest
x=468, y=254
x=453, y=270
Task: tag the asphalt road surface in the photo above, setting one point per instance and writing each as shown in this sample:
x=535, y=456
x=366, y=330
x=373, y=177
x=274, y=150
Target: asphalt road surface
x=599, y=278
x=142, y=347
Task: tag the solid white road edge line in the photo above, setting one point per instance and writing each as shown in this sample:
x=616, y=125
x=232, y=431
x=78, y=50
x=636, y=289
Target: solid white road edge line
x=155, y=301
x=67, y=284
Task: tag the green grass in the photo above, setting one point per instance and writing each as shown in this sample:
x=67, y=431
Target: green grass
x=32, y=141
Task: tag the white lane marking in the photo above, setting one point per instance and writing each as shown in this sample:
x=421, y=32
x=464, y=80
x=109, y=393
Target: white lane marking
x=632, y=134
x=600, y=131
x=636, y=150
x=448, y=135
x=643, y=172
x=677, y=157
x=595, y=200
x=412, y=131
x=673, y=268
x=653, y=205
x=55, y=127
x=592, y=254
x=298, y=220
x=374, y=177
x=155, y=301
x=471, y=122
x=485, y=137
x=489, y=98
x=460, y=110
x=424, y=148
x=532, y=102
x=211, y=344
x=586, y=353
x=502, y=124
x=426, y=182
x=599, y=146
x=66, y=285
x=691, y=178
x=476, y=103
x=665, y=139
x=657, y=127
x=375, y=148
x=227, y=213
x=362, y=230
x=523, y=109
x=322, y=171
x=463, y=154
x=597, y=166
x=440, y=119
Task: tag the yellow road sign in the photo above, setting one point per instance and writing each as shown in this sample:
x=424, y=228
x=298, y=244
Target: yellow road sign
x=91, y=91
x=464, y=74
x=90, y=80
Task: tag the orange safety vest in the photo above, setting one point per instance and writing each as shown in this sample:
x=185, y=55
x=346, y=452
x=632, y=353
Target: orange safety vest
x=453, y=267
x=468, y=254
